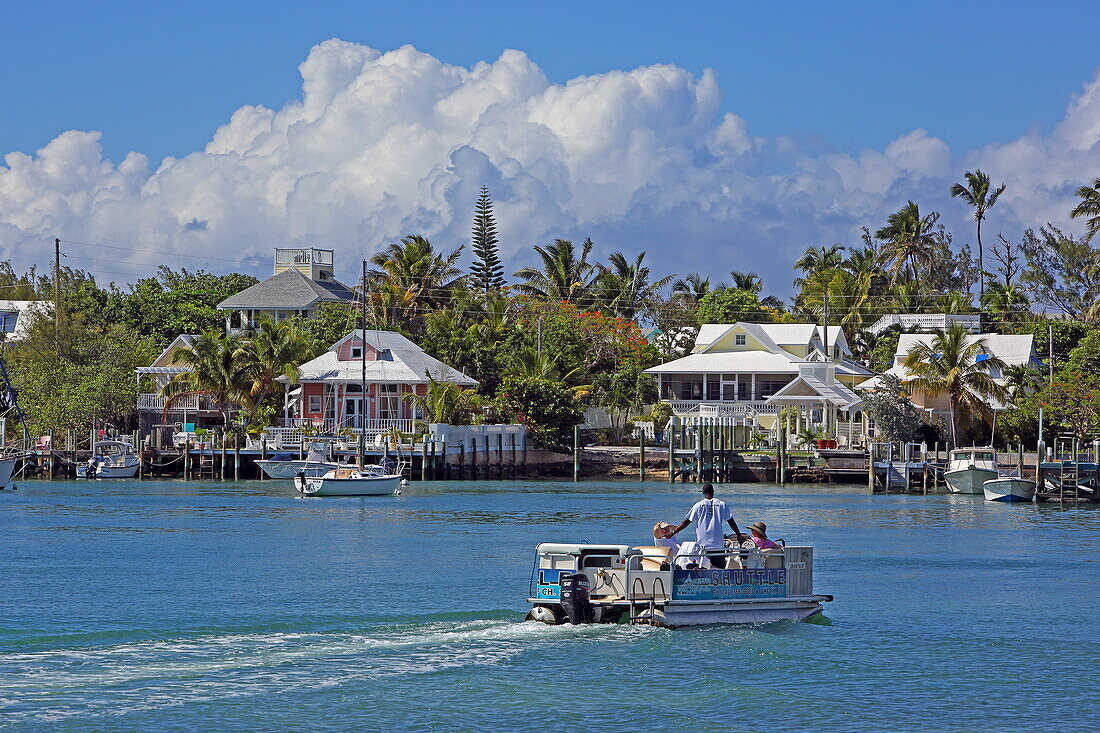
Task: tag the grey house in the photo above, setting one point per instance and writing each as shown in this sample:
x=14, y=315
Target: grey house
x=303, y=280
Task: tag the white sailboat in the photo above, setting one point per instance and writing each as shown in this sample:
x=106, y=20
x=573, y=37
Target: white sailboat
x=365, y=481
x=969, y=468
x=360, y=480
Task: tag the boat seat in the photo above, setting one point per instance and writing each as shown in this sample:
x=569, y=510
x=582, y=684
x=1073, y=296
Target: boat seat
x=342, y=473
x=774, y=558
x=654, y=556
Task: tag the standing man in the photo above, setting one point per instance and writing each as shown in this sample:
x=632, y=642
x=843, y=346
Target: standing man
x=709, y=514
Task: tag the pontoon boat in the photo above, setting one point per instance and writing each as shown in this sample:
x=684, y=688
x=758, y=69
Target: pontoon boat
x=613, y=583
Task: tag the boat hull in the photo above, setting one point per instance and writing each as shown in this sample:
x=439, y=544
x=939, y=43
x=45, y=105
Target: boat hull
x=108, y=472
x=968, y=480
x=678, y=616
x=1009, y=489
x=290, y=469
x=365, y=486
x=7, y=468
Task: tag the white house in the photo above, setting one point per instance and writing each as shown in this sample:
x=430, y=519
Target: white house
x=16, y=316
x=747, y=372
x=192, y=409
x=1013, y=350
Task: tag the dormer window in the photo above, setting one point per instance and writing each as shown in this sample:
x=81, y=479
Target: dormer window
x=356, y=352
x=740, y=339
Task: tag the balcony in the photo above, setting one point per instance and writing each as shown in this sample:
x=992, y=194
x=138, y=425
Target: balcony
x=292, y=431
x=722, y=409
x=187, y=403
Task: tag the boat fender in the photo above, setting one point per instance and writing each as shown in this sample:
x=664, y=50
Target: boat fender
x=575, y=599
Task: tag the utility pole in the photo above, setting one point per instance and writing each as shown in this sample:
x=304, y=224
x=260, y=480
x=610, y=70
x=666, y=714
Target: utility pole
x=57, y=294
x=1050, y=380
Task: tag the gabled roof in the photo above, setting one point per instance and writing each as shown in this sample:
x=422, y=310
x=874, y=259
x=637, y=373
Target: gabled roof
x=399, y=360
x=290, y=289
x=1011, y=349
x=771, y=335
x=164, y=363
x=810, y=384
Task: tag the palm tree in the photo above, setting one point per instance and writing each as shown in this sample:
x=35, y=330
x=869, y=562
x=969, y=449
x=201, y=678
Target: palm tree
x=563, y=276
x=624, y=287
x=273, y=350
x=949, y=365
x=214, y=369
x=847, y=295
x=864, y=261
x=1022, y=380
x=447, y=402
x=1002, y=301
x=691, y=288
x=747, y=281
x=1089, y=206
x=412, y=277
x=908, y=237
x=977, y=195
x=816, y=259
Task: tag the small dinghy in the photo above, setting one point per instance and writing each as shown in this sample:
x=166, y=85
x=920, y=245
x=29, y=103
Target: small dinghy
x=582, y=584
x=349, y=481
x=1009, y=488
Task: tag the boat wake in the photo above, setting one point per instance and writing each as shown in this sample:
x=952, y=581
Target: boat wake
x=121, y=678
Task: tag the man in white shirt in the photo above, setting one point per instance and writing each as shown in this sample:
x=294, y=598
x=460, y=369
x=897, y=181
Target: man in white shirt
x=708, y=514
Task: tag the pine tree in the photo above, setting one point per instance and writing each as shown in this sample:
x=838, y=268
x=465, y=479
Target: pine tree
x=487, y=273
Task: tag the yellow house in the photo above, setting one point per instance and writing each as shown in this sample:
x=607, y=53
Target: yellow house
x=746, y=372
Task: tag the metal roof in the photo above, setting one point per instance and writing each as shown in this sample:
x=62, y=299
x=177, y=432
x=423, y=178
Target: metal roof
x=289, y=290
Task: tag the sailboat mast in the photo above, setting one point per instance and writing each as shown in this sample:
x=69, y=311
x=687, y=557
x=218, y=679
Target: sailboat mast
x=363, y=366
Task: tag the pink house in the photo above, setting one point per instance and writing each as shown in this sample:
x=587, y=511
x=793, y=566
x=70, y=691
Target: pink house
x=331, y=396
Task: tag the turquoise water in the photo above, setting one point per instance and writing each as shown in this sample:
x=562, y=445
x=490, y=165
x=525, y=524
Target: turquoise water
x=222, y=606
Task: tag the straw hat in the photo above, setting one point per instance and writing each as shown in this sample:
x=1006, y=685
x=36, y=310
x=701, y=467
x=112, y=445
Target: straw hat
x=761, y=528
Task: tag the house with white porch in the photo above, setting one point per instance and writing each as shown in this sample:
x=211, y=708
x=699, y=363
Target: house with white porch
x=303, y=279
x=329, y=395
x=190, y=411
x=1013, y=350
x=745, y=373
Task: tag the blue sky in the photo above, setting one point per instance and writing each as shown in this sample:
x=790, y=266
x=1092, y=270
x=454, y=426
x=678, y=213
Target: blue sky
x=160, y=77
x=819, y=119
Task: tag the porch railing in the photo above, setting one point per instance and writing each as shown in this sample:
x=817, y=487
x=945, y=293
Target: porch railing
x=306, y=428
x=188, y=403
x=723, y=409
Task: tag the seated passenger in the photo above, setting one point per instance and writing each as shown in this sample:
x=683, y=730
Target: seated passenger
x=760, y=537
x=662, y=536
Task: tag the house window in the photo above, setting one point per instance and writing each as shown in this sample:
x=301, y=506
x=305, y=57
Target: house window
x=356, y=352
x=714, y=387
x=315, y=403
x=729, y=392
x=353, y=388
x=740, y=339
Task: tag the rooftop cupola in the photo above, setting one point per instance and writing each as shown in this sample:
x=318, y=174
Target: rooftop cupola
x=316, y=264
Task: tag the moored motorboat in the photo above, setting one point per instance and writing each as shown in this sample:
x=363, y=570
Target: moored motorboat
x=582, y=583
x=110, y=459
x=1009, y=488
x=969, y=468
x=349, y=481
x=284, y=465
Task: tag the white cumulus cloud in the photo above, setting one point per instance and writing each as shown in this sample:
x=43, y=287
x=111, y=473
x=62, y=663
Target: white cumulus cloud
x=381, y=145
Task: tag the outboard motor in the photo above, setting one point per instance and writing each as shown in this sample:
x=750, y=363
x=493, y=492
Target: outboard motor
x=574, y=598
